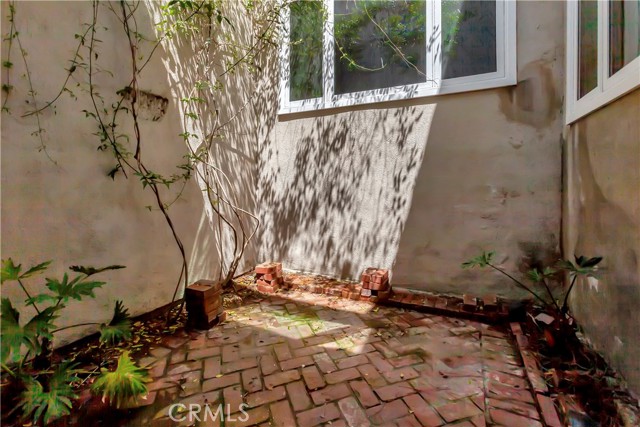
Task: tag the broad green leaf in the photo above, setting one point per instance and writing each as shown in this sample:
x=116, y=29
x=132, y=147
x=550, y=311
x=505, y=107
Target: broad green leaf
x=15, y=336
x=10, y=271
x=74, y=289
x=126, y=382
x=89, y=271
x=51, y=402
x=482, y=260
x=36, y=269
x=40, y=298
x=119, y=328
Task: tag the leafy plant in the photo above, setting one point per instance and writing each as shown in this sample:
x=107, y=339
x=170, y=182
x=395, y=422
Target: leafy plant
x=49, y=401
x=126, y=382
x=583, y=267
x=47, y=394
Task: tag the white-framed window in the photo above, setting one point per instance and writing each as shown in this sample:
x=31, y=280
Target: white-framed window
x=603, y=53
x=347, y=52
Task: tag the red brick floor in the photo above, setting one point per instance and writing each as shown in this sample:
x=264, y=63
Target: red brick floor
x=308, y=360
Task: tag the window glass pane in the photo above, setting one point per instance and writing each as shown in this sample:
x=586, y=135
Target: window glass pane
x=305, y=58
x=379, y=44
x=624, y=33
x=468, y=38
x=588, y=47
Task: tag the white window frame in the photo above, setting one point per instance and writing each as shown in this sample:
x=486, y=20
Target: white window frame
x=609, y=88
x=505, y=74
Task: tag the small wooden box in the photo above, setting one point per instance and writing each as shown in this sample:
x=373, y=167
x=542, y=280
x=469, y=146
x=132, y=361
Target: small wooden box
x=204, y=303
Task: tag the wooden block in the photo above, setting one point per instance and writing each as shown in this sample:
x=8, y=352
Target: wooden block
x=201, y=289
x=490, y=302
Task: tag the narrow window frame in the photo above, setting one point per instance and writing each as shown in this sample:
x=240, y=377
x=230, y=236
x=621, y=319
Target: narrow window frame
x=609, y=88
x=505, y=74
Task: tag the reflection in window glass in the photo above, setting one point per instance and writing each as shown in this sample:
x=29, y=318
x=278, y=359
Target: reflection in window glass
x=588, y=47
x=468, y=38
x=624, y=33
x=305, y=58
x=379, y=44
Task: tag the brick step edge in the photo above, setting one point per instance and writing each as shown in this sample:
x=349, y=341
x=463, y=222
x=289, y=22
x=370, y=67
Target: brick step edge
x=546, y=406
x=450, y=306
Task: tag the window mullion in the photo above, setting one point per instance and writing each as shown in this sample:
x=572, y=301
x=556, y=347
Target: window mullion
x=285, y=80
x=434, y=43
x=603, y=45
x=328, y=62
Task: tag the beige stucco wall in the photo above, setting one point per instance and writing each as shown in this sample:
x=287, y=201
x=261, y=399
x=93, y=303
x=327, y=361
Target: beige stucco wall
x=70, y=211
x=422, y=185
x=601, y=217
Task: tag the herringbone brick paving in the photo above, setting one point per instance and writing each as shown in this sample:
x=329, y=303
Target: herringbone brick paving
x=308, y=360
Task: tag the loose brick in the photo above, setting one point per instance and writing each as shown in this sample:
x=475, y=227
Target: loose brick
x=221, y=382
x=352, y=412
x=267, y=268
x=298, y=395
x=394, y=391
x=281, y=414
x=319, y=415
x=312, y=377
x=280, y=378
x=252, y=380
x=343, y=375
x=266, y=396
x=364, y=393
x=425, y=413
x=330, y=393
x=296, y=363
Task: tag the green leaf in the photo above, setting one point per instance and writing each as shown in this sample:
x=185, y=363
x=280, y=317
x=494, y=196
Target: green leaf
x=127, y=382
x=36, y=269
x=89, y=271
x=52, y=401
x=40, y=298
x=15, y=336
x=119, y=328
x=591, y=262
x=482, y=260
x=534, y=275
x=10, y=271
x=74, y=289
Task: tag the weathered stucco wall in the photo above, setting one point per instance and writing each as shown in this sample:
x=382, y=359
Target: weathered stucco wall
x=419, y=186
x=70, y=211
x=601, y=217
